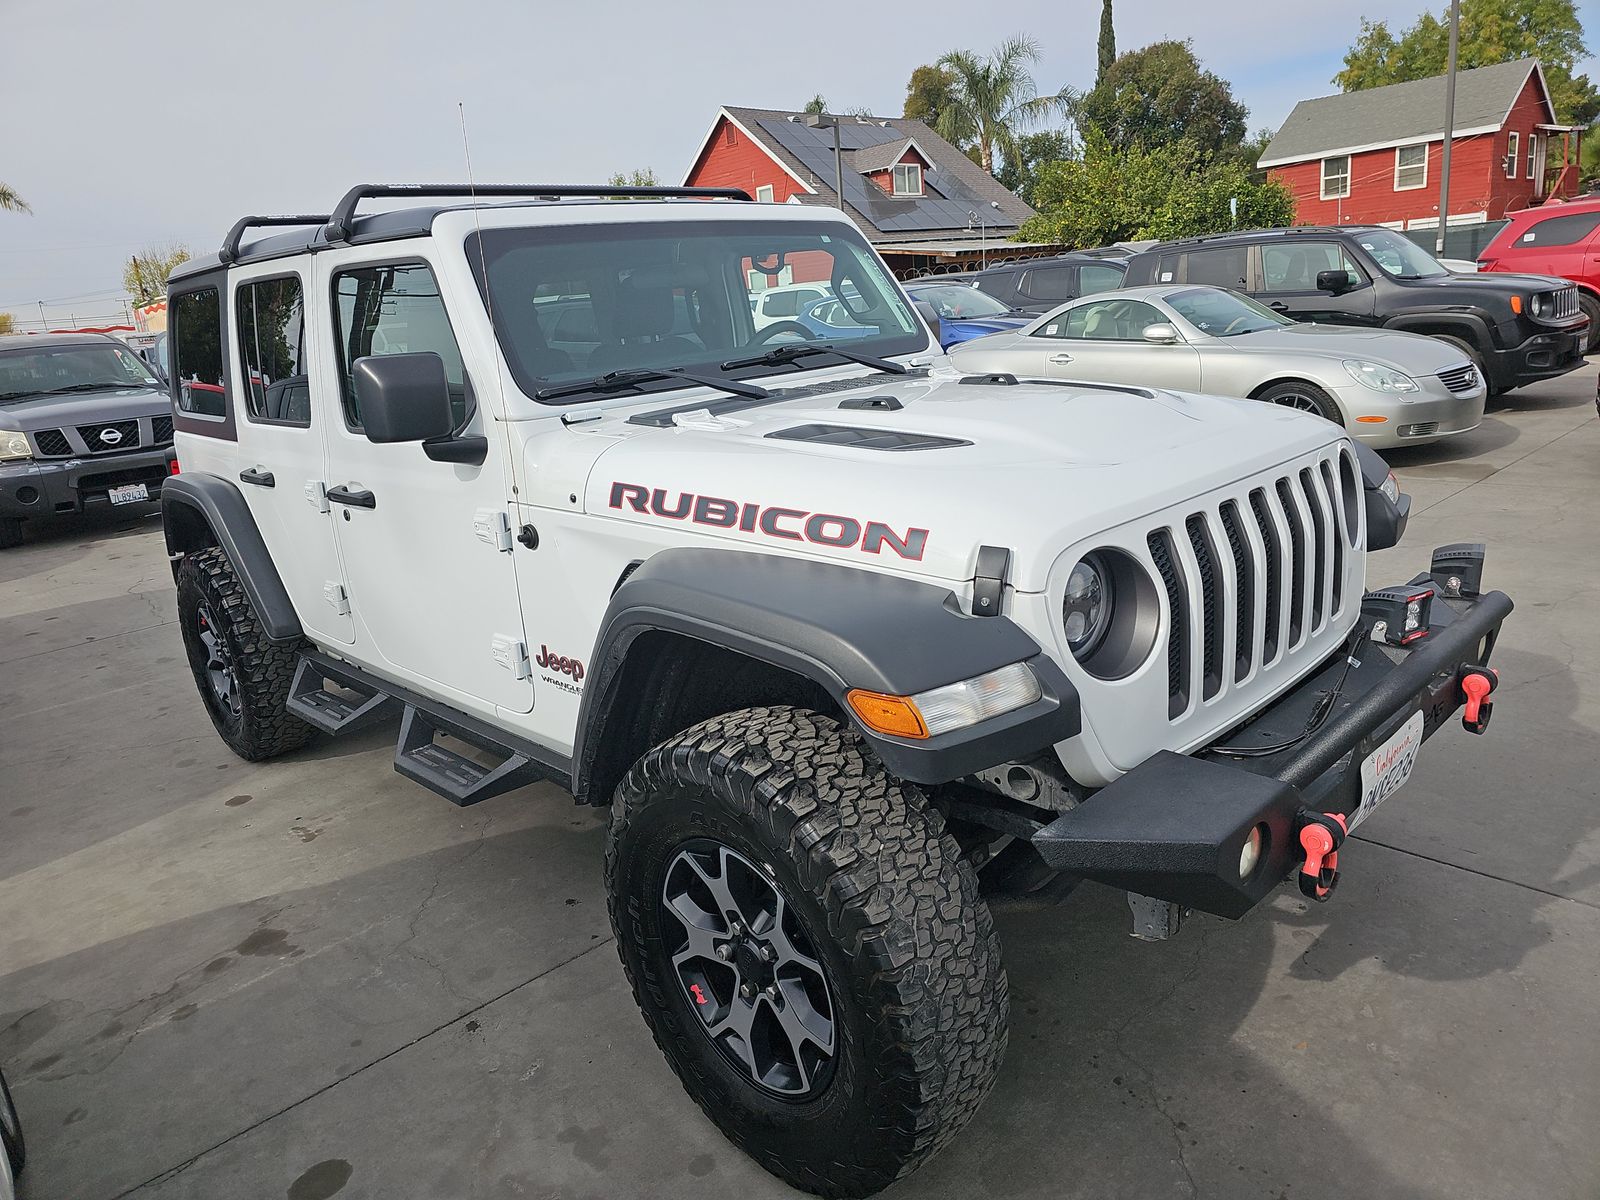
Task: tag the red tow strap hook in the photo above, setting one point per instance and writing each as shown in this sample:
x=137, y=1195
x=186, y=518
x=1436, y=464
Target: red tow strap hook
x=1476, y=684
x=1321, y=835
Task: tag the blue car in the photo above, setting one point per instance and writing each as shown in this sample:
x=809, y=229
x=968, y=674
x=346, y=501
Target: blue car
x=965, y=312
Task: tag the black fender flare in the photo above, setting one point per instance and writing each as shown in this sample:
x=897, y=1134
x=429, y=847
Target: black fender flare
x=1469, y=326
x=842, y=628
x=199, y=510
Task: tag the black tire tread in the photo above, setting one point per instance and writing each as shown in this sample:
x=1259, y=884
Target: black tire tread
x=898, y=895
x=1591, y=309
x=16, y=1151
x=1330, y=409
x=265, y=667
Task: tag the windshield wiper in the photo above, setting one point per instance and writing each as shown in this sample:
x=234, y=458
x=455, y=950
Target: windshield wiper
x=779, y=355
x=82, y=387
x=619, y=381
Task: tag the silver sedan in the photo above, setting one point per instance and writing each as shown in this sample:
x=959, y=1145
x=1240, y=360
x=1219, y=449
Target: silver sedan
x=1386, y=388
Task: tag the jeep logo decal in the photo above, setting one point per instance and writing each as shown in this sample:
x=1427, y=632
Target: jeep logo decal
x=789, y=524
x=552, y=661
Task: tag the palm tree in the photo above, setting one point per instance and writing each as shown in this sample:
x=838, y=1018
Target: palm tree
x=992, y=97
x=11, y=202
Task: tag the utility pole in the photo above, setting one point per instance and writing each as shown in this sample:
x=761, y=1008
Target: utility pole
x=1449, y=125
x=824, y=120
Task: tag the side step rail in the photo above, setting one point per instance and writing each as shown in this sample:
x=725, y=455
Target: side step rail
x=311, y=701
x=455, y=777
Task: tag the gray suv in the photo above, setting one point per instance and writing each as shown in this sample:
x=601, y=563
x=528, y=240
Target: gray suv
x=83, y=421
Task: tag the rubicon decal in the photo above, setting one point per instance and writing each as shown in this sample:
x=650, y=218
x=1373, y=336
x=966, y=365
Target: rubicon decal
x=788, y=524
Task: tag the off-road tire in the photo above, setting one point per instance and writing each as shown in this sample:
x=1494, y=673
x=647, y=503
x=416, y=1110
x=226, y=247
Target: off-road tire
x=1307, y=397
x=14, y=1148
x=889, y=905
x=263, y=669
x=1590, y=305
x=10, y=532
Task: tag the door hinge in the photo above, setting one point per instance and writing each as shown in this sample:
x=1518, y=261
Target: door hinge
x=989, y=580
x=512, y=654
x=338, y=599
x=317, y=494
x=493, y=528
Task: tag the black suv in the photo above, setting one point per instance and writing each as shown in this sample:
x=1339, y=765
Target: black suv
x=1517, y=328
x=1037, y=285
x=83, y=421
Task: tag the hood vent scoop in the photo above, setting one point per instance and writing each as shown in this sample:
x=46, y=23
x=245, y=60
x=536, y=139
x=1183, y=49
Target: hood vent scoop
x=873, y=403
x=866, y=439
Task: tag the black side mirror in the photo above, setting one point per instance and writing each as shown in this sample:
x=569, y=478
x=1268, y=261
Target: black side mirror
x=1333, y=281
x=930, y=316
x=403, y=397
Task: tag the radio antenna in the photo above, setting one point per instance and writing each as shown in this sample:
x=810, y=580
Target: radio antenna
x=488, y=293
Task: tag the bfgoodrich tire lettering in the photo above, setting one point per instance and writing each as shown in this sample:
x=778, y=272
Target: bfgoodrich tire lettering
x=243, y=675
x=889, y=907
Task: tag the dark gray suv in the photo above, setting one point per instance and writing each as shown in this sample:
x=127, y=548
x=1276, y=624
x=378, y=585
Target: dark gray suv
x=83, y=421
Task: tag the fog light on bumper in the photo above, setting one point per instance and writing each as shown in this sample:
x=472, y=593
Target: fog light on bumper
x=1250, y=852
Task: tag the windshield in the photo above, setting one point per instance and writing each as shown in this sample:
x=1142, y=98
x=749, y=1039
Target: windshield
x=70, y=368
x=574, y=303
x=1398, y=256
x=1224, y=314
x=952, y=301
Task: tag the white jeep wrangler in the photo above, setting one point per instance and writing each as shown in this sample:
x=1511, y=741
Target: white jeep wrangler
x=846, y=640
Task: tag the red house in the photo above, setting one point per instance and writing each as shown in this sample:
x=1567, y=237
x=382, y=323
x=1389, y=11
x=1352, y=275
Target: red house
x=921, y=202
x=1374, y=157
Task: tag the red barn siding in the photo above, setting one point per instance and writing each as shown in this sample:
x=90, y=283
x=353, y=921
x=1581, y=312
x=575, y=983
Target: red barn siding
x=1478, y=182
x=740, y=162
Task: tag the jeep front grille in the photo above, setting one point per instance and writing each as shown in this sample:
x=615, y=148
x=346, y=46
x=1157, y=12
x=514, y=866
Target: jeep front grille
x=111, y=437
x=1253, y=577
x=1564, y=304
x=1460, y=379
x=52, y=443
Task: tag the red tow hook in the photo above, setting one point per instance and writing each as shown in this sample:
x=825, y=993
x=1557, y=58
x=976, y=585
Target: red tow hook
x=1476, y=684
x=1321, y=835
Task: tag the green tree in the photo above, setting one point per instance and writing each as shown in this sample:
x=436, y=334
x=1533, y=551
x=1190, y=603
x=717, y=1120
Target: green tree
x=1109, y=195
x=1108, y=42
x=638, y=177
x=7, y=323
x=1020, y=171
x=11, y=202
x=991, y=98
x=1492, y=31
x=928, y=94
x=145, y=275
x=1161, y=95
x=816, y=105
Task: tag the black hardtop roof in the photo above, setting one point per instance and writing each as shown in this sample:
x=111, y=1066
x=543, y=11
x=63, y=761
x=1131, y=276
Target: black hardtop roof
x=1249, y=235
x=1099, y=256
x=33, y=341
x=341, y=227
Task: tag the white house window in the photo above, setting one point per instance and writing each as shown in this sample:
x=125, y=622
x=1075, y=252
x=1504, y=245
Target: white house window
x=1410, y=168
x=1535, y=145
x=1512, y=145
x=908, y=179
x=764, y=193
x=1336, y=177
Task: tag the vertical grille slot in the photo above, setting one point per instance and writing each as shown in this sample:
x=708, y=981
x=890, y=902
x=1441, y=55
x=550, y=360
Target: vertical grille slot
x=1319, y=546
x=1164, y=556
x=1336, y=536
x=1297, y=563
x=1244, y=573
x=1213, y=605
x=1274, y=577
x=161, y=430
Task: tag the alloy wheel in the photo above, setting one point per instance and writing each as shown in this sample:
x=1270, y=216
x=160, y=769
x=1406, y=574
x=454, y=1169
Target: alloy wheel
x=220, y=672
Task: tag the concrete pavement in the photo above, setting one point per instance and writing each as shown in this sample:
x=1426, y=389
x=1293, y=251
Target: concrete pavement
x=312, y=978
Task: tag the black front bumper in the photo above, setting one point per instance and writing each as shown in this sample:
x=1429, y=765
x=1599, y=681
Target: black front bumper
x=41, y=487
x=1544, y=355
x=1175, y=826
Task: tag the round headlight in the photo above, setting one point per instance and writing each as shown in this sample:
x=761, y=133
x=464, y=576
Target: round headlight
x=1086, y=610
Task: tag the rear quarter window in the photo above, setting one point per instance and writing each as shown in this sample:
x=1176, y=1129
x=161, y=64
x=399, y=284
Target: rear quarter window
x=197, y=353
x=1559, y=231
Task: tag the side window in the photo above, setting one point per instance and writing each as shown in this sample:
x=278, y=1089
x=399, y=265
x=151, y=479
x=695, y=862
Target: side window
x=1094, y=279
x=780, y=304
x=270, y=314
x=1048, y=283
x=197, y=353
x=1561, y=231
x=394, y=309
x=1294, y=266
x=1109, y=320
x=1223, y=267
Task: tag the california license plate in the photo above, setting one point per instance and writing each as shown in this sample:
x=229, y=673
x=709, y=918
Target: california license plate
x=1385, y=771
x=130, y=493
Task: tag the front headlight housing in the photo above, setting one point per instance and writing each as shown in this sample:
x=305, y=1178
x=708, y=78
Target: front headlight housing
x=1390, y=487
x=1110, y=615
x=1541, y=304
x=1086, y=607
x=1380, y=378
x=14, y=446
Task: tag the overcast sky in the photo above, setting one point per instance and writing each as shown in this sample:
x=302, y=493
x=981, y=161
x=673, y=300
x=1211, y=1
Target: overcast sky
x=126, y=124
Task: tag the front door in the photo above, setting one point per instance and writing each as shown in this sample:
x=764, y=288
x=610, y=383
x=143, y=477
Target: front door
x=282, y=438
x=425, y=544
x=1102, y=341
x=1289, y=273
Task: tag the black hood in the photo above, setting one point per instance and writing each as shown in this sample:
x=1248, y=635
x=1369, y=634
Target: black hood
x=85, y=408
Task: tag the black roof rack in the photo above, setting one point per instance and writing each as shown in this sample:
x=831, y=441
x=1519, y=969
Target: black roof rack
x=230, y=244
x=341, y=223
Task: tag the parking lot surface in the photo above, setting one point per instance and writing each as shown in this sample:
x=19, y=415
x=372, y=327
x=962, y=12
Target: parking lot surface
x=311, y=978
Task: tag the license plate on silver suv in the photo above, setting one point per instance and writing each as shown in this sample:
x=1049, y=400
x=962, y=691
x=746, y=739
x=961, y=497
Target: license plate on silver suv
x=129, y=493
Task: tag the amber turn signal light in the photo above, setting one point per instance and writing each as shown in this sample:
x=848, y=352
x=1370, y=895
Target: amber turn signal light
x=895, y=715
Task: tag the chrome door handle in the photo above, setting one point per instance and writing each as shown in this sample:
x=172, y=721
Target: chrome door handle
x=1060, y=359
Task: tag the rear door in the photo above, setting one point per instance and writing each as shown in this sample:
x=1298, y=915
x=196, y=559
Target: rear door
x=1102, y=341
x=1043, y=288
x=1288, y=283
x=282, y=438
x=426, y=545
